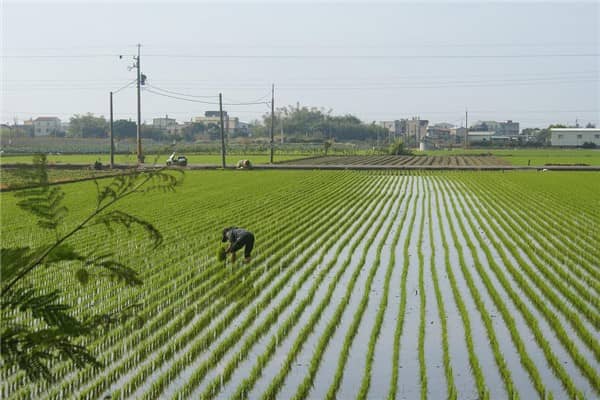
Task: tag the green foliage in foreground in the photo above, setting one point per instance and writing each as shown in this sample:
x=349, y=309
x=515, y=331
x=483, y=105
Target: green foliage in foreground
x=38, y=329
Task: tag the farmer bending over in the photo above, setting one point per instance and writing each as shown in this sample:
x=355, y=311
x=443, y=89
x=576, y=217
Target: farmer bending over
x=238, y=238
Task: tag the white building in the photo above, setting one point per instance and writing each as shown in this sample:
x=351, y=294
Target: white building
x=574, y=137
x=481, y=136
x=230, y=124
x=45, y=126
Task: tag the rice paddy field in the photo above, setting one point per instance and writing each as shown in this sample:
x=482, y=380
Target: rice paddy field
x=159, y=159
x=363, y=284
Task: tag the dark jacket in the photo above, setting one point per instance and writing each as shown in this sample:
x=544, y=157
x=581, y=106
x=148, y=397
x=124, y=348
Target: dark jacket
x=233, y=234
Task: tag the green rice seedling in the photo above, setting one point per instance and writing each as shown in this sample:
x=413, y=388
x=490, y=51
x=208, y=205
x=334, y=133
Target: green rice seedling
x=450, y=385
x=331, y=393
x=221, y=253
x=366, y=380
x=275, y=385
x=473, y=360
x=548, y=314
x=402, y=309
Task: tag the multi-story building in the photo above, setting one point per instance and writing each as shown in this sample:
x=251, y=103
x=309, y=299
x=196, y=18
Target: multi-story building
x=45, y=126
x=416, y=128
x=230, y=124
x=166, y=124
x=508, y=128
x=395, y=128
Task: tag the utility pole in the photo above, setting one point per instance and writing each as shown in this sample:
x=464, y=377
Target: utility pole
x=222, y=131
x=466, y=129
x=140, y=157
x=272, y=120
x=112, y=140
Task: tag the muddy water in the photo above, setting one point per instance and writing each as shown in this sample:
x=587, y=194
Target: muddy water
x=511, y=356
x=381, y=373
x=535, y=352
x=272, y=367
x=354, y=369
x=409, y=386
x=434, y=362
x=300, y=369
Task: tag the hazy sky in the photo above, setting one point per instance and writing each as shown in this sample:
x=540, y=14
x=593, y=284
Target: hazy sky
x=535, y=62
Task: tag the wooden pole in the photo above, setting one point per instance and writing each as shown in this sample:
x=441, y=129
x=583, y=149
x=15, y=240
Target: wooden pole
x=222, y=131
x=140, y=157
x=466, y=129
x=272, y=121
x=112, y=139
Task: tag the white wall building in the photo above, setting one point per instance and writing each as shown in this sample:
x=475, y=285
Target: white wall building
x=574, y=137
x=165, y=123
x=45, y=126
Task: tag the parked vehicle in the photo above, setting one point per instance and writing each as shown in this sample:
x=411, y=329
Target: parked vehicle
x=177, y=160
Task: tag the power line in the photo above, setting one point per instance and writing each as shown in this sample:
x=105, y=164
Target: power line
x=313, y=56
x=201, y=101
x=124, y=87
x=371, y=56
x=212, y=96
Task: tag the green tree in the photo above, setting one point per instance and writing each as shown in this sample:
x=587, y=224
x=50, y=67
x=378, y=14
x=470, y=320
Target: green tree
x=37, y=328
x=123, y=129
x=398, y=149
x=87, y=126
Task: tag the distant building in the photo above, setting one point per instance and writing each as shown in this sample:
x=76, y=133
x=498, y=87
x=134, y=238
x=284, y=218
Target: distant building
x=439, y=135
x=458, y=134
x=481, y=136
x=508, y=128
x=395, y=128
x=230, y=124
x=45, y=126
x=416, y=128
x=574, y=137
x=166, y=124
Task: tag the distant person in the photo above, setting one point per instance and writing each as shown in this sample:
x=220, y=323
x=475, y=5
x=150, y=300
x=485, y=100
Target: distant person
x=238, y=238
x=244, y=164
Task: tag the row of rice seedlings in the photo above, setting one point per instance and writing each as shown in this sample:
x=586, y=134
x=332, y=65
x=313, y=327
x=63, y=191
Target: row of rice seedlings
x=366, y=379
x=289, y=323
x=317, y=234
x=587, y=337
x=539, y=303
x=482, y=390
x=557, y=222
x=358, y=314
x=421, y=257
x=259, y=331
x=563, y=282
x=330, y=328
x=495, y=296
x=113, y=333
x=277, y=381
x=220, y=268
x=211, y=390
x=506, y=315
x=402, y=308
x=166, y=335
x=293, y=229
x=476, y=296
x=524, y=224
x=560, y=332
x=556, y=190
x=451, y=391
x=554, y=251
x=208, y=338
